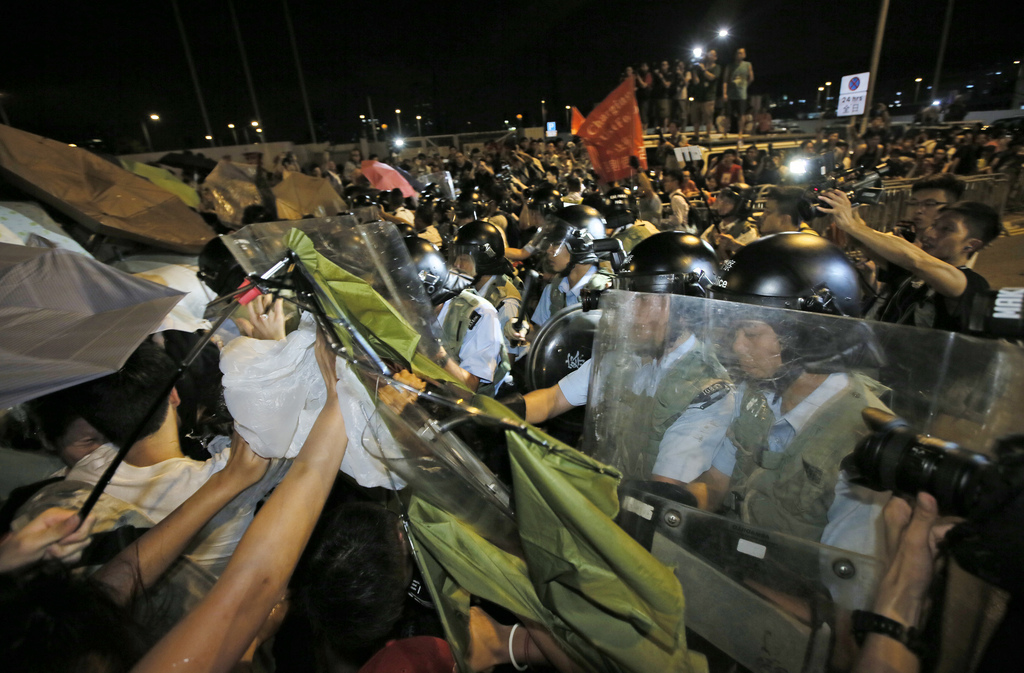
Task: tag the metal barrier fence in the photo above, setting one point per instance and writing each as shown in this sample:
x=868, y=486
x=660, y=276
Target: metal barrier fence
x=989, y=189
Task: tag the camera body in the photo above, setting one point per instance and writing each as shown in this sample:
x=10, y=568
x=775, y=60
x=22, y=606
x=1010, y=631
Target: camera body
x=863, y=186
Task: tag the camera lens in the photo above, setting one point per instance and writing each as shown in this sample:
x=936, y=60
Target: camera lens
x=895, y=458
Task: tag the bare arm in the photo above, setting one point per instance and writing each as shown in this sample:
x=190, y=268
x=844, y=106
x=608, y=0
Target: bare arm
x=140, y=564
x=545, y=403
x=217, y=632
x=945, y=279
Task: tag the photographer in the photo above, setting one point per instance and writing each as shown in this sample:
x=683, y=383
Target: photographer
x=940, y=289
x=706, y=77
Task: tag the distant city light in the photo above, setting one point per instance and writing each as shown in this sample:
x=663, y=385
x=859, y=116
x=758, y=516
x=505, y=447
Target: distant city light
x=828, y=83
x=399, y=142
x=723, y=33
x=419, y=117
x=155, y=117
x=970, y=86
x=936, y=103
x=231, y=126
x=821, y=88
x=209, y=137
x=72, y=145
x=918, y=79
x=255, y=123
x=259, y=130
x=362, y=116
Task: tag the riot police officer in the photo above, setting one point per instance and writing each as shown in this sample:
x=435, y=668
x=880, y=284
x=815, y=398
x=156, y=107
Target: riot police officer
x=799, y=411
x=621, y=212
x=479, y=251
x=568, y=244
x=470, y=329
x=734, y=227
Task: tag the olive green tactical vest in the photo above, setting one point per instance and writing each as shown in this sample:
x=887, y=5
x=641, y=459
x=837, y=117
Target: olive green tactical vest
x=599, y=281
x=684, y=381
x=791, y=490
x=504, y=288
x=634, y=233
x=454, y=329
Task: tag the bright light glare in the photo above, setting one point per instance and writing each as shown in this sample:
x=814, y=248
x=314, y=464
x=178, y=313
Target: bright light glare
x=209, y=137
x=255, y=123
x=155, y=118
x=231, y=126
x=936, y=103
x=698, y=52
x=723, y=33
x=798, y=166
x=399, y=143
x=259, y=130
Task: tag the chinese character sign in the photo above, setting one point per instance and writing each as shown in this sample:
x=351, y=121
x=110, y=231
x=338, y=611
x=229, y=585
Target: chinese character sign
x=853, y=93
x=613, y=134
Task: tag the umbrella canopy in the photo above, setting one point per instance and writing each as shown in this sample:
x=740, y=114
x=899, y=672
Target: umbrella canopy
x=386, y=178
x=187, y=161
x=164, y=179
x=69, y=319
x=98, y=195
x=300, y=195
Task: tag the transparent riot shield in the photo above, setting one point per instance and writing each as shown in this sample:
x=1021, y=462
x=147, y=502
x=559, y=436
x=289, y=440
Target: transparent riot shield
x=442, y=182
x=960, y=388
x=772, y=400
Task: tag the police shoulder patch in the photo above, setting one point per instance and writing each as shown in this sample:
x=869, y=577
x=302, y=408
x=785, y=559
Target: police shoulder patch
x=711, y=394
x=474, y=318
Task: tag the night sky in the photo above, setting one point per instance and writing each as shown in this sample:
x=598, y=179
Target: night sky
x=78, y=70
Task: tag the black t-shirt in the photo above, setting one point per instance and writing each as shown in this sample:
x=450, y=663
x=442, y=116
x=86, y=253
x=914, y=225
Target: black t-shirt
x=914, y=303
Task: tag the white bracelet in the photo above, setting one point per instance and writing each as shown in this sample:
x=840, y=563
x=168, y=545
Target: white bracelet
x=511, y=656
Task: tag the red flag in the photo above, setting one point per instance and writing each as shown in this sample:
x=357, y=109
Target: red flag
x=577, y=121
x=614, y=134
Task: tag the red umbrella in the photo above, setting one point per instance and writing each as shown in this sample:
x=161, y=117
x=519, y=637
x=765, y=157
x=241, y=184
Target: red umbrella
x=386, y=178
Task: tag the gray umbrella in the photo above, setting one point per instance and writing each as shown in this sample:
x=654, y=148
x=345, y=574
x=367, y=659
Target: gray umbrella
x=66, y=319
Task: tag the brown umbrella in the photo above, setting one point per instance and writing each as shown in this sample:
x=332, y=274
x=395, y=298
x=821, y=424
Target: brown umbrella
x=100, y=196
x=300, y=195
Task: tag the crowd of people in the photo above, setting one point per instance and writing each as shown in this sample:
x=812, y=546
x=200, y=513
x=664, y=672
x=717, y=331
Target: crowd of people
x=206, y=551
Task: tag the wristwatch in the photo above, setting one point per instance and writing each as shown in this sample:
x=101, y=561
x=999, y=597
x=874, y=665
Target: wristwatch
x=865, y=622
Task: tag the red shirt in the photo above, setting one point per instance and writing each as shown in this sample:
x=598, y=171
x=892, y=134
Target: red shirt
x=727, y=176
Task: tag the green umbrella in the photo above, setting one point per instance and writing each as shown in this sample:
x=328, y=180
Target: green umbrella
x=611, y=605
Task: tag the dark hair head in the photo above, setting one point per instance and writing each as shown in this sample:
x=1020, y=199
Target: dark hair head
x=787, y=202
x=981, y=220
x=115, y=404
x=351, y=582
x=674, y=173
x=947, y=182
x=729, y=152
x=52, y=621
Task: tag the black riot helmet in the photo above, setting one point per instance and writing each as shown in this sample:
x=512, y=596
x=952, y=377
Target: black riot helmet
x=218, y=268
x=670, y=262
x=440, y=282
x=405, y=229
x=482, y=242
x=471, y=204
x=576, y=227
x=621, y=209
x=546, y=198
x=741, y=195
x=791, y=270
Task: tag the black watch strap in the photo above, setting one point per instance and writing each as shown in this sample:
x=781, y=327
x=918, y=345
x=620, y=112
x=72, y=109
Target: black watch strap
x=865, y=622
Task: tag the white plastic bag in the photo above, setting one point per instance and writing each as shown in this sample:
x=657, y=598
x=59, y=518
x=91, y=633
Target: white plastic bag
x=275, y=392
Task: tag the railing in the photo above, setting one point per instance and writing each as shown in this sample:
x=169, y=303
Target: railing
x=989, y=189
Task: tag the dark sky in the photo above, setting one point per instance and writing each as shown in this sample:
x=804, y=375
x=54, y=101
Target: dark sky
x=74, y=70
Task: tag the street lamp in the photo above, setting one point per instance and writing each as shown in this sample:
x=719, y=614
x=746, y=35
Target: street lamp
x=828, y=92
x=145, y=130
x=543, y=113
x=234, y=133
x=917, y=89
x=419, y=127
x=820, y=89
x=724, y=32
x=568, y=117
x=255, y=123
x=210, y=138
x=398, y=116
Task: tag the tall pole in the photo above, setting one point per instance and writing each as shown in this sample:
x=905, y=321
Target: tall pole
x=876, y=51
x=942, y=50
x=192, y=68
x=398, y=116
x=298, y=68
x=145, y=134
x=245, y=64
x=543, y=114
x=373, y=119
x=419, y=128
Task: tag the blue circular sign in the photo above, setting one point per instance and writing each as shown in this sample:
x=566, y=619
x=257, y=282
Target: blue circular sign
x=854, y=83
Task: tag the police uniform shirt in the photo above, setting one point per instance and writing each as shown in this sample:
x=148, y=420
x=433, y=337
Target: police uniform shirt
x=690, y=443
x=575, y=384
x=480, y=350
x=572, y=296
x=855, y=517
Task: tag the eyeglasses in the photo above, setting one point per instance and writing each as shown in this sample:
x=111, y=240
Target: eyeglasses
x=929, y=204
